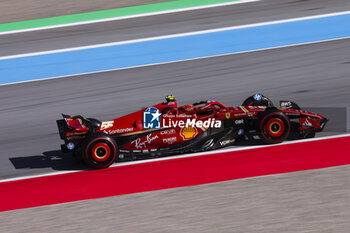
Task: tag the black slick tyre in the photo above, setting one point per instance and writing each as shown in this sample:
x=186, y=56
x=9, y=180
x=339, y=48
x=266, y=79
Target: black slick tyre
x=99, y=151
x=273, y=126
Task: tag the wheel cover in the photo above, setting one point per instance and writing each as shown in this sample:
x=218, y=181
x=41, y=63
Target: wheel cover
x=100, y=152
x=275, y=127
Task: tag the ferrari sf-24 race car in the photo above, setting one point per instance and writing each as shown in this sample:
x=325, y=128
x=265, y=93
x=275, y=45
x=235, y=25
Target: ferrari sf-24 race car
x=166, y=129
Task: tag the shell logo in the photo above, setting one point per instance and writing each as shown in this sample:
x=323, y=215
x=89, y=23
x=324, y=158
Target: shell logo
x=188, y=133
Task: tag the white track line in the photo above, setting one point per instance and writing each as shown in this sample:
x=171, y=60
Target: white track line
x=170, y=62
x=129, y=17
x=172, y=36
x=231, y=149
x=175, y=35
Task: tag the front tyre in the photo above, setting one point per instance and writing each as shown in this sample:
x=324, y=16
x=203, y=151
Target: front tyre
x=273, y=126
x=99, y=151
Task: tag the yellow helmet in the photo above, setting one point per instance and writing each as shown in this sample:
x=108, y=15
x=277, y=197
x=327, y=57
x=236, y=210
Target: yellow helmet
x=169, y=98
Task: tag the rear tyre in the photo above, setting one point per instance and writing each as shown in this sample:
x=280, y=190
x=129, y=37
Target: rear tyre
x=273, y=126
x=99, y=151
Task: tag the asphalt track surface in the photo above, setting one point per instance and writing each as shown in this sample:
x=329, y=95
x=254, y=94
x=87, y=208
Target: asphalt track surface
x=313, y=75
x=29, y=139
x=241, y=14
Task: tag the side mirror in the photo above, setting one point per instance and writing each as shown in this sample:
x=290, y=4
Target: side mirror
x=289, y=105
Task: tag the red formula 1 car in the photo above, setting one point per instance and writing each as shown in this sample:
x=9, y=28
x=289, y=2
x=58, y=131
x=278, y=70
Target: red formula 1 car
x=166, y=129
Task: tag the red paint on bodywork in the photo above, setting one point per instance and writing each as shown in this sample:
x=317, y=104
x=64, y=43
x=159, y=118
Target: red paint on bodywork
x=132, y=123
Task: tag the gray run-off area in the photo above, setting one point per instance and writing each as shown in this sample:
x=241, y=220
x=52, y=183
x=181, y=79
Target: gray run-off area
x=218, y=17
x=18, y=10
x=314, y=201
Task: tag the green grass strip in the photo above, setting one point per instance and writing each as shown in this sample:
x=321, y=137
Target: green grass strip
x=104, y=14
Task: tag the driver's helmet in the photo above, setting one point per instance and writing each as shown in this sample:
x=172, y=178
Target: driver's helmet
x=169, y=98
x=258, y=100
x=170, y=103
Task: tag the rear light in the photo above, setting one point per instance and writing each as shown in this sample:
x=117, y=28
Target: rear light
x=70, y=146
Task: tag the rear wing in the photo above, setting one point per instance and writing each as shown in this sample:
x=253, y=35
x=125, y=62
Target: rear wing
x=68, y=123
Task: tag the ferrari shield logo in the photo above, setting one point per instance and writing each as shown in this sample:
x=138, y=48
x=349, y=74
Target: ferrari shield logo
x=228, y=115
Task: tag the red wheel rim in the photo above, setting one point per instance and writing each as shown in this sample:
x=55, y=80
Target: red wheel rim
x=275, y=127
x=101, y=152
